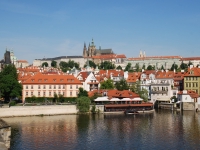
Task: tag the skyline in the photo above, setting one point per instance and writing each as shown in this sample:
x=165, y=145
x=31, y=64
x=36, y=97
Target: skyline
x=37, y=29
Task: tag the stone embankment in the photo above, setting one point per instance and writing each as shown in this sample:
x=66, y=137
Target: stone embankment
x=17, y=111
x=5, y=133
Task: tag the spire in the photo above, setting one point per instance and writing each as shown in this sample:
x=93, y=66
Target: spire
x=92, y=42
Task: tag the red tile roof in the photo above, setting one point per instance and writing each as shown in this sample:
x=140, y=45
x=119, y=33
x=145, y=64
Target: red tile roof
x=192, y=93
x=40, y=78
x=155, y=57
x=110, y=56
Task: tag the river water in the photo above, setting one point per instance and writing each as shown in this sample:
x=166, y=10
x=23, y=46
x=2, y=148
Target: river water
x=162, y=129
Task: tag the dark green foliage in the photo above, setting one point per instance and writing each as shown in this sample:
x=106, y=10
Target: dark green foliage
x=183, y=66
x=9, y=85
x=190, y=63
x=106, y=65
x=121, y=85
x=12, y=103
x=119, y=67
x=162, y=68
x=174, y=66
x=108, y=84
x=91, y=64
x=128, y=67
x=50, y=99
x=82, y=92
x=61, y=98
x=54, y=64
x=44, y=64
x=144, y=67
x=83, y=104
x=93, y=110
x=137, y=67
x=174, y=98
x=150, y=67
x=65, y=66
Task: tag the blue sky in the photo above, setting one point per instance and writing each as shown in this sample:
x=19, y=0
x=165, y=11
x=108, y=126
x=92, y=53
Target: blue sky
x=36, y=29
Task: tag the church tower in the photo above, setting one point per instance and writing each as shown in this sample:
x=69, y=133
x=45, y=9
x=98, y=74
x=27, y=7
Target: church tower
x=85, y=51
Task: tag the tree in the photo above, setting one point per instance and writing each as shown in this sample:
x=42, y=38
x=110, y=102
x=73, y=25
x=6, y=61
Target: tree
x=143, y=94
x=144, y=67
x=10, y=87
x=60, y=98
x=54, y=64
x=65, y=66
x=44, y=64
x=91, y=64
x=128, y=67
x=55, y=97
x=119, y=67
x=174, y=66
x=150, y=67
x=137, y=67
x=190, y=63
x=82, y=92
x=107, y=65
x=135, y=87
x=183, y=66
x=121, y=85
x=83, y=104
x=108, y=84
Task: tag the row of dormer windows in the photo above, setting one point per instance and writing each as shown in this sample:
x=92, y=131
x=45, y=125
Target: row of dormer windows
x=190, y=78
x=50, y=86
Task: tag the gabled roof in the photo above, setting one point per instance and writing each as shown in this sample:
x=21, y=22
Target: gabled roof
x=193, y=72
x=40, y=78
x=133, y=77
x=164, y=74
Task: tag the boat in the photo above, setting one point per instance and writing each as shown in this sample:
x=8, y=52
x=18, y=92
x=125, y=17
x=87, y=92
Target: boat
x=131, y=112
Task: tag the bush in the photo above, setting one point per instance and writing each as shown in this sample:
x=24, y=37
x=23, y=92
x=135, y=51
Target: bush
x=12, y=103
x=83, y=104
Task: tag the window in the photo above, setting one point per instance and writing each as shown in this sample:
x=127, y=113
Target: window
x=31, y=86
x=76, y=86
x=49, y=86
x=44, y=87
x=49, y=93
x=38, y=93
x=70, y=86
x=26, y=93
x=26, y=86
x=70, y=93
x=31, y=93
x=38, y=86
x=59, y=87
x=54, y=87
x=44, y=93
x=63, y=86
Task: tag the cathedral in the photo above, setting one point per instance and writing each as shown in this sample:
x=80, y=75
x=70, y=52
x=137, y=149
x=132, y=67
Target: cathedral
x=92, y=51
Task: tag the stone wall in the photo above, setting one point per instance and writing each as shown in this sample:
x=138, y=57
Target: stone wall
x=15, y=111
x=5, y=133
x=188, y=106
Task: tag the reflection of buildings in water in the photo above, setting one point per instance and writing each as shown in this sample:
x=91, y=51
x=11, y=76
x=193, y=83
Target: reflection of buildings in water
x=39, y=130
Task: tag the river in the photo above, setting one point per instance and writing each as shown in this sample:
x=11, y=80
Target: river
x=162, y=129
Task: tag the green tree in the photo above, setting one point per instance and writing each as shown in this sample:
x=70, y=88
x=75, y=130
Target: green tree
x=144, y=67
x=107, y=84
x=54, y=64
x=44, y=64
x=9, y=85
x=82, y=92
x=107, y=65
x=137, y=67
x=190, y=63
x=91, y=64
x=60, y=98
x=183, y=66
x=55, y=97
x=143, y=94
x=83, y=104
x=135, y=87
x=150, y=67
x=119, y=67
x=174, y=66
x=121, y=85
x=128, y=67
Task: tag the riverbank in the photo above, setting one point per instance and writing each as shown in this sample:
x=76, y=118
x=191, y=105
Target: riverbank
x=18, y=111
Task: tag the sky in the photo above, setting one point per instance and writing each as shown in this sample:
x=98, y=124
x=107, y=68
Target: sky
x=36, y=29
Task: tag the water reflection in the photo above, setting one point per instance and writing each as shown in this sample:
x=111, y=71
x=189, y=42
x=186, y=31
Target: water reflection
x=162, y=129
